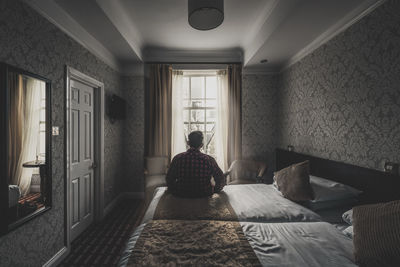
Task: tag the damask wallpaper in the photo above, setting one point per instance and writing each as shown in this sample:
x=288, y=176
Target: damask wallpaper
x=342, y=102
x=259, y=117
x=30, y=42
x=133, y=138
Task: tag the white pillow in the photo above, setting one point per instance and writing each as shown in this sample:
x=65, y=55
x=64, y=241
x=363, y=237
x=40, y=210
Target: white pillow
x=348, y=217
x=13, y=195
x=348, y=232
x=327, y=190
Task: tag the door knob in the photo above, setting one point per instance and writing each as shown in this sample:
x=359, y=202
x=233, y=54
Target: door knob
x=93, y=165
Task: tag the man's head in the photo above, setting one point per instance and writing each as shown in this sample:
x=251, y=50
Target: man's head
x=195, y=139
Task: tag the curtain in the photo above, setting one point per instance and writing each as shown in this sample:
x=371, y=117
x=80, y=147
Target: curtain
x=159, y=100
x=178, y=140
x=221, y=131
x=15, y=124
x=234, y=150
x=30, y=133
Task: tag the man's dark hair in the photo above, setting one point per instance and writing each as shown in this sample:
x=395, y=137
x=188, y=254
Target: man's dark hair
x=195, y=139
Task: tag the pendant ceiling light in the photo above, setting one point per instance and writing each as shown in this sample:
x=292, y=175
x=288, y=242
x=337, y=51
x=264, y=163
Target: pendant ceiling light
x=206, y=14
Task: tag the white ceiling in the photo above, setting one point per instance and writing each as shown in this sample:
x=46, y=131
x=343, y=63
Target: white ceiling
x=126, y=32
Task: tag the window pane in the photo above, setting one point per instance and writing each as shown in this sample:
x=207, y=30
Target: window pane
x=210, y=127
x=185, y=87
x=187, y=130
x=197, y=103
x=197, y=115
x=185, y=116
x=197, y=127
x=211, y=147
x=197, y=87
x=211, y=115
x=42, y=144
x=211, y=103
x=211, y=87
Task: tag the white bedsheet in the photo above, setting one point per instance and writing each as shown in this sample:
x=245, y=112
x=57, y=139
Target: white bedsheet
x=300, y=244
x=253, y=203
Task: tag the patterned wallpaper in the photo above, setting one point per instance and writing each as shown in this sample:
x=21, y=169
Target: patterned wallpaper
x=133, y=138
x=342, y=102
x=30, y=42
x=259, y=114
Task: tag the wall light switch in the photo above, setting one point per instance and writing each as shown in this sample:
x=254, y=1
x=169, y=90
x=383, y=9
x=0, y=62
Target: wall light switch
x=55, y=130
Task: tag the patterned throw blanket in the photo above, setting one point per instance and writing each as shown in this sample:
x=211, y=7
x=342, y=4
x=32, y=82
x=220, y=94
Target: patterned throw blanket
x=193, y=232
x=215, y=207
x=192, y=243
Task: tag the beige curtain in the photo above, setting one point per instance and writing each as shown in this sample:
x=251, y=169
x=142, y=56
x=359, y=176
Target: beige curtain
x=159, y=111
x=221, y=131
x=15, y=124
x=235, y=112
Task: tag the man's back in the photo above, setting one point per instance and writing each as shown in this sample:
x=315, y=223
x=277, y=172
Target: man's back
x=190, y=174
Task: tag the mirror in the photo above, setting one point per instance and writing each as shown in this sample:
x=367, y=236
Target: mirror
x=27, y=142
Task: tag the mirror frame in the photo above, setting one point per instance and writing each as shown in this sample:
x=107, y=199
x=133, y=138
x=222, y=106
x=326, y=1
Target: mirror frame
x=5, y=227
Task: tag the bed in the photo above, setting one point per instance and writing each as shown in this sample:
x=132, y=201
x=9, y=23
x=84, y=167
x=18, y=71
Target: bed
x=258, y=227
x=250, y=202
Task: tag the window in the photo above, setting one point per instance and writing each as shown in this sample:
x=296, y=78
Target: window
x=199, y=108
x=41, y=144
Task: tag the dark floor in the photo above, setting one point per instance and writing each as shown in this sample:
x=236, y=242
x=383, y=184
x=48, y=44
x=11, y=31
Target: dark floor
x=102, y=243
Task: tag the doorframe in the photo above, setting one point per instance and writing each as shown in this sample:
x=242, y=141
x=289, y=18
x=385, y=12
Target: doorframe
x=98, y=131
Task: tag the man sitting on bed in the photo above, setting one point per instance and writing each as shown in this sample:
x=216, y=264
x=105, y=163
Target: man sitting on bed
x=190, y=172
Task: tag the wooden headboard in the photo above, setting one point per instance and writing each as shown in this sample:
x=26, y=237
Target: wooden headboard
x=377, y=186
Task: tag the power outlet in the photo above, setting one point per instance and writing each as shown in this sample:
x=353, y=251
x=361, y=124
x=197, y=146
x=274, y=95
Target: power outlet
x=55, y=130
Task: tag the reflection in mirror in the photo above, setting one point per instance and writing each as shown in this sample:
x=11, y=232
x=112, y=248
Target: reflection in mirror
x=26, y=145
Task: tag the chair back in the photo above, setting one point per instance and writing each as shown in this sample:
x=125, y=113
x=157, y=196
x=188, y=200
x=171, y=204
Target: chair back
x=247, y=170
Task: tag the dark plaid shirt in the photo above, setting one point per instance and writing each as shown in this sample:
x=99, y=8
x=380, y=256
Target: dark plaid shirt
x=190, y=174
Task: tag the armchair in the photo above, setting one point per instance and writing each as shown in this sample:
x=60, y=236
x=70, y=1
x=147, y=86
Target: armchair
x=154, y=174
x=246, y=172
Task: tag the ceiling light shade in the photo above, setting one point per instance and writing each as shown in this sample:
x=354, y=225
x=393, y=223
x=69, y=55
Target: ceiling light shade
x=205, y=14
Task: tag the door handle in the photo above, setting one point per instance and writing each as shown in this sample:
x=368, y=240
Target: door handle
x=93, y=165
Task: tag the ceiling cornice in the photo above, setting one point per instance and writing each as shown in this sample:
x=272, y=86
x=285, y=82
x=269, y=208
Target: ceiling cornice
x=57, y=16
x=193, y=56
x=259, y=71
x=117, y=15
x=351, y=18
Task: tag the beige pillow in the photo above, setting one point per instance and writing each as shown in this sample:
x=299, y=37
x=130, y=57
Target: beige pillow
x=377, y=234
x=294, y=182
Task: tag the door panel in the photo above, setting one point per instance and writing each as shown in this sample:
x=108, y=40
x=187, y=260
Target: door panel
x=75, y=201
x=81, y=147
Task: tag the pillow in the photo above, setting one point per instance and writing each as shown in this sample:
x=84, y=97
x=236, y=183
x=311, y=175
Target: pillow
x=329, y=194
x=13, y=195
x=377, y=234
x=156, y=165
x=294, y=182
x=348, y=232
x=348, y=217
x=325, y=190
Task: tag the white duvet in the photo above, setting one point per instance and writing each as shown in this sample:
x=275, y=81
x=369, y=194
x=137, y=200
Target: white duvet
x=301, y=244
x=253, y=203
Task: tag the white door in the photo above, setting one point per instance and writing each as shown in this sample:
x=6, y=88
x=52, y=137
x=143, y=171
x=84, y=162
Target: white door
x=81, y=157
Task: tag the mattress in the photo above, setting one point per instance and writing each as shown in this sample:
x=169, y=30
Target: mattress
x=252, y=203
x=278, y=244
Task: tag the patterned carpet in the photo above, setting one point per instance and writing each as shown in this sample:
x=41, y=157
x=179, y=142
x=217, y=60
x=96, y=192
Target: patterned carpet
x=102, y=243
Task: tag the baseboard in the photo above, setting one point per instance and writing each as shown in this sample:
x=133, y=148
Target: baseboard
x=120, y=197
x=57, y=258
